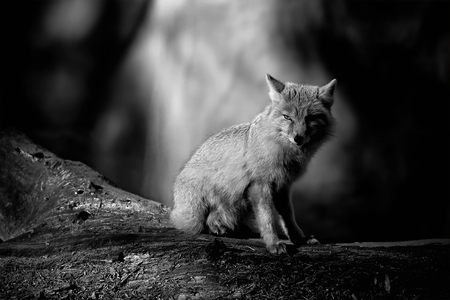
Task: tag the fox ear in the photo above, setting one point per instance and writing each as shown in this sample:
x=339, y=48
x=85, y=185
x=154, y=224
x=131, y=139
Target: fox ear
x=275, y=88
x=326, y=93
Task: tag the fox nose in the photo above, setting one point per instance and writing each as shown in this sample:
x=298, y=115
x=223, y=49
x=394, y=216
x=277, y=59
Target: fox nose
x=298, y=139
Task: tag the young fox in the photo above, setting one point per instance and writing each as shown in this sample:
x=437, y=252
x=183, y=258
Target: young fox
x=240, y=177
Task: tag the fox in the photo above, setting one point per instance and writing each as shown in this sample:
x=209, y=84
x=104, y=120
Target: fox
x=240, y=178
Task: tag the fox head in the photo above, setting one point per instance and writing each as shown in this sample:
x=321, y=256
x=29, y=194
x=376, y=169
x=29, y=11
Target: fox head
x=301, y=113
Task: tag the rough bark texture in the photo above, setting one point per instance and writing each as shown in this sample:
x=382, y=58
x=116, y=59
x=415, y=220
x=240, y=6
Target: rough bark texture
x=71, y=234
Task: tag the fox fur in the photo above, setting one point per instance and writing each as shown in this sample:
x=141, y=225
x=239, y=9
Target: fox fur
x=240, y=178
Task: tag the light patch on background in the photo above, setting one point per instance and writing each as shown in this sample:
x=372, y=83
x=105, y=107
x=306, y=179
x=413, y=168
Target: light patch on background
x=203, y=65
x=70, y=21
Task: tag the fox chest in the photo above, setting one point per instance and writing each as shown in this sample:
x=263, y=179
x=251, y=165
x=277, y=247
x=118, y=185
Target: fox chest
x=279, y=169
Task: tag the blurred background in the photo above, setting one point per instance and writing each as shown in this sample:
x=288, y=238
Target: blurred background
x=131, y=88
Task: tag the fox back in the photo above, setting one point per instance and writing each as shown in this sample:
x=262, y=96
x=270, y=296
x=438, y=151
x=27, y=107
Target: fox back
x=241, y=176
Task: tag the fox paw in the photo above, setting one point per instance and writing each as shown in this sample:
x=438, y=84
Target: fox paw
x=277, y=248
x=310, y=240
x=217, y=229
x=307, y=240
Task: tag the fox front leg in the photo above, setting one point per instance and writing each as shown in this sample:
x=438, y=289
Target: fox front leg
x=260, y=196
x=284, y=207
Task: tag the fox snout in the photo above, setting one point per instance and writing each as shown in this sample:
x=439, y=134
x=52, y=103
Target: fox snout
x=300, y=139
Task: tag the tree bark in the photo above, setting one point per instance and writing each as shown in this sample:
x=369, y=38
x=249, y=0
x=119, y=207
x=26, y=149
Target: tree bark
x=69, y=233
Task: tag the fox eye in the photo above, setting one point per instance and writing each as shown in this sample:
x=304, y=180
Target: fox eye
x=287, y=117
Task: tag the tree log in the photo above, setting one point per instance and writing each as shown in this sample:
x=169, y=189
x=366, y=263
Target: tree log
x=69, y=233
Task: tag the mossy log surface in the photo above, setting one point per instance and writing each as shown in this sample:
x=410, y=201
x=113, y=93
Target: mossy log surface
x=69, y=233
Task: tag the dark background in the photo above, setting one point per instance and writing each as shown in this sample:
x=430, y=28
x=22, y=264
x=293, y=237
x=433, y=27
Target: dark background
x=132, y=87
